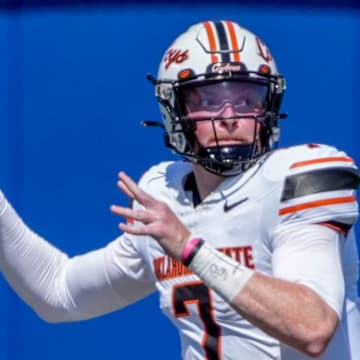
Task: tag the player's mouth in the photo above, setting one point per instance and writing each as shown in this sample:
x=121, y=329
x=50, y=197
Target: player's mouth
x=227, y=141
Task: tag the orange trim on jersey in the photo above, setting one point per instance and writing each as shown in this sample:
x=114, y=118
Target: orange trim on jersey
x=312, y=204
x=321, y=160
x=234, y=41
x=212, y=42
x=334, y=227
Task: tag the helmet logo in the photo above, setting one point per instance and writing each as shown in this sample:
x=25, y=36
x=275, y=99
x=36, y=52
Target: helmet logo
x=264, y=69
x=226, y=68
x=263, y=51
x=175, y=56
x=185, y=74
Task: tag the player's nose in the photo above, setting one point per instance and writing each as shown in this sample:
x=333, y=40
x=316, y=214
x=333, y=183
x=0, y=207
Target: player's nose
x=230, y=122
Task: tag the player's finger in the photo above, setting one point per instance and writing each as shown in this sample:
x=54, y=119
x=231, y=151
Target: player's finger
x=132, y=189
x=135, y=230
x=139, y=215
x=120, y=210
x=125, y=189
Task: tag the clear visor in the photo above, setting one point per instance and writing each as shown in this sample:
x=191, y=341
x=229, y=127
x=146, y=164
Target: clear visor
x=244, y=97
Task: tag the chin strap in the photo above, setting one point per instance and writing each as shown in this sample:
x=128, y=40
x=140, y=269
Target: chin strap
x=227, y=160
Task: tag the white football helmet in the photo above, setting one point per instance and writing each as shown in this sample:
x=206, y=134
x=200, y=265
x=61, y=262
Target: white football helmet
x=214, y=53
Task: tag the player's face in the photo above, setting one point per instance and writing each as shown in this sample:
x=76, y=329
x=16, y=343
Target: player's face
x=225, y=112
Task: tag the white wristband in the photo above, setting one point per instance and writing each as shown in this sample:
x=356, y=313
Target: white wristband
x=224, y=275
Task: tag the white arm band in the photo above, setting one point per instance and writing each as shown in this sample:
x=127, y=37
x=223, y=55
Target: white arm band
x=224, y=275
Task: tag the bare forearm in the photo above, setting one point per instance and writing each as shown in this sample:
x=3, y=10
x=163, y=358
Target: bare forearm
x=292, y=313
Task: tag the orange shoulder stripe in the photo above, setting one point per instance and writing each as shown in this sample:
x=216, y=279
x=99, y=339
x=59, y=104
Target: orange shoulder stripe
x=320, y=160
x=316, y=203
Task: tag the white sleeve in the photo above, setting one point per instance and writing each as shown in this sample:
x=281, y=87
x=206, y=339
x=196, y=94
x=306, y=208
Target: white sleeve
x=310, y=254
x=60, y=288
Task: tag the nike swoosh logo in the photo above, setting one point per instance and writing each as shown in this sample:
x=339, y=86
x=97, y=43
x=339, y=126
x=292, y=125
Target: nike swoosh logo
x=228, y=207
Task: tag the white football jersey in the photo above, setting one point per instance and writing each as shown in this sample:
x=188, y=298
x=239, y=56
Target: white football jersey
x=307, y=184
x=258, y=218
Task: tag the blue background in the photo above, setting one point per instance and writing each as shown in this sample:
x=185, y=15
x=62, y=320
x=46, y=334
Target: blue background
x=73, y=91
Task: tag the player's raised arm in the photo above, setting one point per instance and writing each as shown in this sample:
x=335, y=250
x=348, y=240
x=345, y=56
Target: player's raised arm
x=60, y=288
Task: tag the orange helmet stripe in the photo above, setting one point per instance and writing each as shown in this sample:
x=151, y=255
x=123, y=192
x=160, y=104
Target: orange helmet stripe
x=212, y=42
x=233, y=40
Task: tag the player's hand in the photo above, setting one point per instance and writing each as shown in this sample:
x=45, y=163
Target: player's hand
x=157, y=219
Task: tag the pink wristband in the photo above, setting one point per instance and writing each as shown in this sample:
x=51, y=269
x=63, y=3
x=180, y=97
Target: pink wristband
x=190, y=249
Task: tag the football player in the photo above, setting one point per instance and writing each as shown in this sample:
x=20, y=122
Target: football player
x=251, y=247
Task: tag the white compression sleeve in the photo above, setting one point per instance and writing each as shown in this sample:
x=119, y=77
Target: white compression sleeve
x=56, y=287
x=28, y=262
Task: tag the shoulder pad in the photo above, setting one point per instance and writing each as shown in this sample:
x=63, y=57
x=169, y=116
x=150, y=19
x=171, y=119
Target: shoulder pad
x=319, y=185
